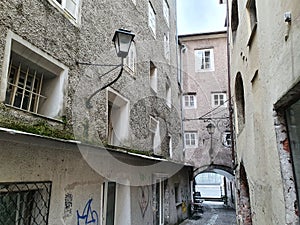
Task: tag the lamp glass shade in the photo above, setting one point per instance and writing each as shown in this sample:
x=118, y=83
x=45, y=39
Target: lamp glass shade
x=122, y=40
x=210, y=128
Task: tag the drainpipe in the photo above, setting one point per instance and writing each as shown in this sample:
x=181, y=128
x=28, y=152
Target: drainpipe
x=179, y=72
x=229, y=89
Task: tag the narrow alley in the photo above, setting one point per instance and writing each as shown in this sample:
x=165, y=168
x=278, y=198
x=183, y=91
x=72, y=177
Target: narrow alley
x=214, y=213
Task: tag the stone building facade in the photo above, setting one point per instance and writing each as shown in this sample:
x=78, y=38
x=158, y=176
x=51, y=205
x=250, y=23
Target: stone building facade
x=205, y=101
x=117, y=160
x=265, y=81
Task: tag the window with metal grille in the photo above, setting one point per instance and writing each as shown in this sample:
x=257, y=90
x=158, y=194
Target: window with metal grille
x=25, y=203
x=24, y=87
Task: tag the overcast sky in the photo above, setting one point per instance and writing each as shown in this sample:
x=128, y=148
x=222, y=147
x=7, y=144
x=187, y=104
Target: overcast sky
x=199, y=16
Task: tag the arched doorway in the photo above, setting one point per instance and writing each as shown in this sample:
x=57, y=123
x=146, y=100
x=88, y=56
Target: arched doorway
x=243, y=198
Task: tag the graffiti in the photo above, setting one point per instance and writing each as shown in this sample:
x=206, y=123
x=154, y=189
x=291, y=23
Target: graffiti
x=143, y=198
x=183, y=207
x=88, y=215
x=68, y=204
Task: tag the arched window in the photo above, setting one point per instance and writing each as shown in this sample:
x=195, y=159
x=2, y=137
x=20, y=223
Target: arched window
x=234, y=18
x=240, y=101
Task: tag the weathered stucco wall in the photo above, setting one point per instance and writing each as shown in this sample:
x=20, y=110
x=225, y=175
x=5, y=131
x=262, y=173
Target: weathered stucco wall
x=90, y=41
x=203, y=84
x=76, y=171
x=268, y=67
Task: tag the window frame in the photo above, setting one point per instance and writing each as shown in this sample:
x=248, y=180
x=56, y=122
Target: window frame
x=153, y=78
x=189, y=106
x=252, y=14
x=36, y=203
x=152, y=18
x=55, y=107
x=155, y=135
x=190, y=145
x=117, y=128
x=166, y=12
x=218, y=94
x=167, y=45
x=130, y=60
x=62, y=7
x=168, y=94
x=200, y=61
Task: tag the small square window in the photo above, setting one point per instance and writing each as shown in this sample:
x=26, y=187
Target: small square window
x=191, y=139
x=218, y=99
x=190, y=101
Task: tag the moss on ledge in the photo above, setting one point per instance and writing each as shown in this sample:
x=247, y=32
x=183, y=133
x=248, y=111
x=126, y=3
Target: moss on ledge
x=17, y=121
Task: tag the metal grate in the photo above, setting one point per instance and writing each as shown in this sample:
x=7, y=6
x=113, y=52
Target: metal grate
x=25, y=203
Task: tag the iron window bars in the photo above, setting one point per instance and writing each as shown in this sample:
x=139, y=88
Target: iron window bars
x=25, y=203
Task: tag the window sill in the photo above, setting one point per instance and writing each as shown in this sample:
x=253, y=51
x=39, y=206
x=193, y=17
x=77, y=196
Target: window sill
x=253, y=32
x=204, y=70
x=34, y=114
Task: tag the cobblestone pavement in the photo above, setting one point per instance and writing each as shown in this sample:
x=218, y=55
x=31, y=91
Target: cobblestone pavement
x=213, y=214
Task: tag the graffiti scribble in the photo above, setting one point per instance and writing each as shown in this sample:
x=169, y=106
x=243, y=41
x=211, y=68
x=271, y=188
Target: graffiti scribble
x=88, y=215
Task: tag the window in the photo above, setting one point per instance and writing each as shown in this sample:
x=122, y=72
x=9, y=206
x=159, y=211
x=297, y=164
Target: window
x=226, y=139
x=155, y=135
x=24, y=203
x=130, y=60
x=239, y=102
x=153, y=77
x=293, y=122
x=251, y=6
x=168, y=95
x=118, y=118
x=190, y=101
x=166, y=11
x=34, y=81
x=191, y=139
x=69, y=6
x=109, y=202
x=167, y=45
x=152, y=20
x=234, y=18
x=218, y=99
x=177, y=193
x=204, y=60
x=170, y=145
x=159, y=201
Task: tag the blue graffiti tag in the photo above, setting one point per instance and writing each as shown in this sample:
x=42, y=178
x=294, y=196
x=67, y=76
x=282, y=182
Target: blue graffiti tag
x=88, y=215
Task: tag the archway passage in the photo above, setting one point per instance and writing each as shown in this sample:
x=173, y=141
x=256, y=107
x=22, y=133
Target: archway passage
x=215, y=183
